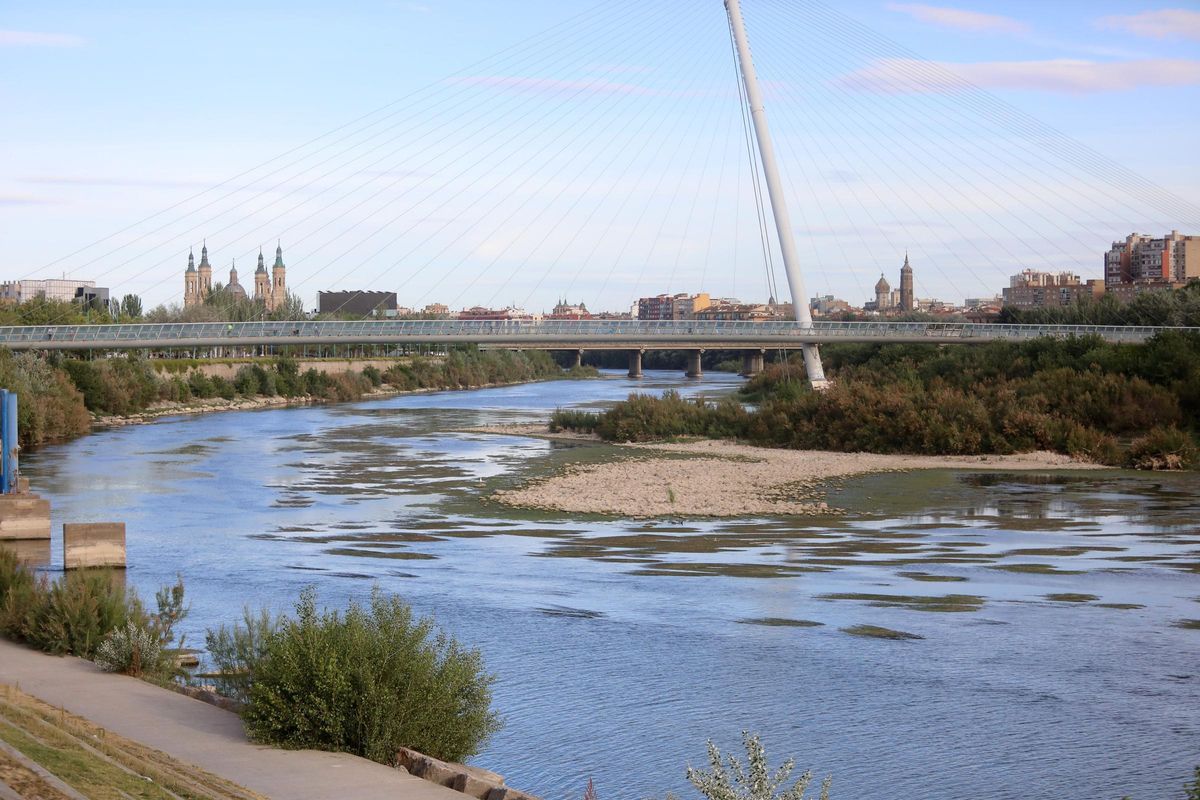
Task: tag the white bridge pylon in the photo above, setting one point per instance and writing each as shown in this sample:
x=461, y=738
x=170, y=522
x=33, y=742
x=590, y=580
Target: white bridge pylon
x=779, y=209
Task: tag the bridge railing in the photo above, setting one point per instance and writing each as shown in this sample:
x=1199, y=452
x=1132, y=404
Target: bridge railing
x=570, y=331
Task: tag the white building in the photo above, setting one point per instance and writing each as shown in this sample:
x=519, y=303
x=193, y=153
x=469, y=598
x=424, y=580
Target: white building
x=51, y=289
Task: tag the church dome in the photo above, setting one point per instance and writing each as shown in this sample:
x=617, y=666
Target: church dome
x=883, y=286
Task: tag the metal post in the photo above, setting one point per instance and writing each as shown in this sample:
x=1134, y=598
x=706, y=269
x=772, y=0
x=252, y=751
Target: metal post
x=8, y=441
x=783, y=223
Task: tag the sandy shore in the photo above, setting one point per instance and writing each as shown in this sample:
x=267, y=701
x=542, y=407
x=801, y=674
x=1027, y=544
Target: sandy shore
x=723, y=479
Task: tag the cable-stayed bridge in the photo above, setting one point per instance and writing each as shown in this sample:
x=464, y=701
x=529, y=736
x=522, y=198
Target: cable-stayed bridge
x=628, y=147
x=546, y=334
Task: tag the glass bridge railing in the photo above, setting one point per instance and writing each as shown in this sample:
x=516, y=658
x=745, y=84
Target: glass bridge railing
x=569, y=331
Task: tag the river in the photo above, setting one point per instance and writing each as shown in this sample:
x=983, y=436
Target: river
x=1061, y=666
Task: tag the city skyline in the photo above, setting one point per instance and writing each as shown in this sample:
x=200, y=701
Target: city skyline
x=246, y=92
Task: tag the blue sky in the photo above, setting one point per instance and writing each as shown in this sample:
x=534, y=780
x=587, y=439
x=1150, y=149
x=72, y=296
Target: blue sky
x=603, y=161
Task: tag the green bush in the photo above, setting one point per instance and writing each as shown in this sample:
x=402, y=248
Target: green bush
x=71, y=615
x=130, y=650
x=372, y=374
x=121, y=385
x=49, y=406
x=1164, y=448
x=223, y=388
x=174, y=389
x=367, y=682
x=200, y=384
x=76, y=613
x=235, y=653
x=573, y=420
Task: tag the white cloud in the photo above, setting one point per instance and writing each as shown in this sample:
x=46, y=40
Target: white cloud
x=1169, y=23
x=33, y=39
x=905, y=75
x=960, y=19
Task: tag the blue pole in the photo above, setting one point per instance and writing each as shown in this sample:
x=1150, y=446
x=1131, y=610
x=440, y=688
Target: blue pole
x=7, y=429
x=14, y=469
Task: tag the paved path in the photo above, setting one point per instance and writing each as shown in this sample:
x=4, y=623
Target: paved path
x=204, y=735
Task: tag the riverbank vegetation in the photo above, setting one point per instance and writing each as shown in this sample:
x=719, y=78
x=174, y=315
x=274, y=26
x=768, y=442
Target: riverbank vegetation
x=90, y=614
x=1180, y=307
x=1122, y=405
x=368, y=681
x=60, y=395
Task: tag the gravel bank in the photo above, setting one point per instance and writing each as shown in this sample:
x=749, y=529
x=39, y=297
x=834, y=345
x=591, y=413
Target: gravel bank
x=724, y=479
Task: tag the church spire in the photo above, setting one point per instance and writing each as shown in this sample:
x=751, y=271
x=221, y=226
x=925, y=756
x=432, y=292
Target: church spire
x=279, y=257
x=261, y=266
x=191, y=261
x=204, y=255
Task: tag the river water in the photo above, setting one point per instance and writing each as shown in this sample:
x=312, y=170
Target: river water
x=1056, y=659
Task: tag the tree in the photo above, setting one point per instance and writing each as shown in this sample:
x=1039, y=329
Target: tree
x=292, y=308
x=131, y=306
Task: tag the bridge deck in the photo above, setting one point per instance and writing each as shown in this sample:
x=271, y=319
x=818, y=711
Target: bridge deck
x=544, y=335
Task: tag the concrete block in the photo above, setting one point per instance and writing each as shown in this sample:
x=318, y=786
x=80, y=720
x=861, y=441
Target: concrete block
x=93, y=544
x=24, y=516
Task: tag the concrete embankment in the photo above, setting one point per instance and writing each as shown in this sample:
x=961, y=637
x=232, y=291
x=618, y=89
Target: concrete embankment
x=724, y=479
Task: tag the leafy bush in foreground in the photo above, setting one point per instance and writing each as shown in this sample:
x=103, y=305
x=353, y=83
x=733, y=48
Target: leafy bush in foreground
x=729, y=779
x=132, y=650
x=367, y=682
x=68, y=616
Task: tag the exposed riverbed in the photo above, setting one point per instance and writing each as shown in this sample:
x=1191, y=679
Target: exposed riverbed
x=1053, y=661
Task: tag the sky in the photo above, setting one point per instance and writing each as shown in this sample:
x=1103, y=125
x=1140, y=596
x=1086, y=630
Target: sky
x=470, y=152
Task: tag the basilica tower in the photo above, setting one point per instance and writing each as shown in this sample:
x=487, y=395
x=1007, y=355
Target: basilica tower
x=262, y=283
x=278, y=281
x=191, y=289
x=907, y=302
x=205, y=274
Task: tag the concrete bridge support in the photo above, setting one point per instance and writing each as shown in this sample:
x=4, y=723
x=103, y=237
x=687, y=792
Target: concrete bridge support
x=694, y=370
x=635, y=364
x=578, y=359
x=753, y=362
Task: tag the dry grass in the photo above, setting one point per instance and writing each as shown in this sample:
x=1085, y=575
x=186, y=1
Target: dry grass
x=98, y=763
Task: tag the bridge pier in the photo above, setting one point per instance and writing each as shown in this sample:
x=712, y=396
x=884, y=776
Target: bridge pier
x=578, y=359
x=694, y=370
x=635, y=364
x=753, y=362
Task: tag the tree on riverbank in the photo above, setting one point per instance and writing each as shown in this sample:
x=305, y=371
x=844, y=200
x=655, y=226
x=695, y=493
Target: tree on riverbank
x=58, y=394
x=1134, y=405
